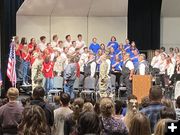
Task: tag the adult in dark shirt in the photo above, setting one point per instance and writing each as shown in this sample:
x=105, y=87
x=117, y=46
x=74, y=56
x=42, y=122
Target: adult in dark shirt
x=10, y=113
x=38, y=99
x=152, y=111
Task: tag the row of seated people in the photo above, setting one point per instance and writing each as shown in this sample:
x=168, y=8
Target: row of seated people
x=35, y=116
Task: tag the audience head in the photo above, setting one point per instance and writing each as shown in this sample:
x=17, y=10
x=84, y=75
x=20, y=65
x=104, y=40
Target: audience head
x=65, y=99
x=118, y=107
x=106, y=107
x=38, y=93
x=89, y=123
x=77, y=105
x=97, y=108
x=33, y=121
x=139, y=125
x=132, y=104
x=167, y=102
x=178, y=102
x=12, y=94
x=155, y=94
x=168, y=113
x=88, y=107
x=160, y=127
x=145, y=102
x=43, y=39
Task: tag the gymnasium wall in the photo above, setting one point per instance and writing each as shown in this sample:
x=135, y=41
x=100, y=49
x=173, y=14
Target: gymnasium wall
x=101, y=27
x=170, y=32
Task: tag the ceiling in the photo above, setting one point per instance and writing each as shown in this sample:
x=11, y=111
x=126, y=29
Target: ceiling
x=96, y=8
x=99, y=8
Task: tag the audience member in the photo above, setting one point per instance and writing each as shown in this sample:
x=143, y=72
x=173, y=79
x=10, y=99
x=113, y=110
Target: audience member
x=11, y=113
x=111, y=126
x=118, y=110
x=155, y=106
x=61, y=113
x=178, y=108
x=38, y=99
x=139, y=125
x=88, y=107
x=160, y=127
x=89, y=124
x=168, y=113
x=33, y=122
x=70, y=123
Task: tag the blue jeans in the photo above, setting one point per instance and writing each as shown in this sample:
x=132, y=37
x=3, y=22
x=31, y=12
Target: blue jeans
x=68, y=88
x=25, y=65
x=48, y=84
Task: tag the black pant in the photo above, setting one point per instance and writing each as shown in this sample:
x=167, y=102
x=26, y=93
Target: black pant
x=128, y=84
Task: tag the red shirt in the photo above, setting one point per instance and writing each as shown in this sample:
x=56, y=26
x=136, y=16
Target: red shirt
x=78, y=70
x=25, y=56
x=19, y=49
x=47, y=69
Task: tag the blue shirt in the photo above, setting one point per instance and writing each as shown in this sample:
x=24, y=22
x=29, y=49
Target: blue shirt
x=114, y=45
x=94, y=47
x=153, y=113
x=118, y=66
x=127, y=48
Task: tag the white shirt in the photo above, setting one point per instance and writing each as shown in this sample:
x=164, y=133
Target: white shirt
x=67, y=44
x=93, y=69
x=109, y=65
x=170, y=70
x=130, y=65
x=155, y=61
x=53, y=44
x=42, y=46
x=58, y=49
x=142, y=68
x=79, y=44
x=83, y=59
x=71, y=50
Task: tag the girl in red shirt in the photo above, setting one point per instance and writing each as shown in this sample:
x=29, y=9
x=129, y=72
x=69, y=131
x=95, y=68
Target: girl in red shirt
x=26, y=63
x=47, y=70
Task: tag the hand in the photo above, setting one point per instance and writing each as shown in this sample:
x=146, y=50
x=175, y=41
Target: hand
x=65, y=82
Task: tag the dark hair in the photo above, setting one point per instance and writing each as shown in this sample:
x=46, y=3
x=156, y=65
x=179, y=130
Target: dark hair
x=73, y=42
x=23, y=41
x=85, y=48
x=67, y=36
x=140, y=125
x=118, y=107
x=42, y=38
x=54, y=36
x=65, y=98
x=97, y=108
x=38, y=92
x=145, y=102
x=89, y=123
x=178, y=102
x=163, y=48
x=79, y=35
x=168, y=113
x=33, y=121
x=132, y=97
x=31, y=39
x=155, y=93
x=113, y=37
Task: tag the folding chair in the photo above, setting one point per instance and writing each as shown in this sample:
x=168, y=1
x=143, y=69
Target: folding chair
x=57, y=87
x=89, y=86
x=76, y=87
x=177, y=90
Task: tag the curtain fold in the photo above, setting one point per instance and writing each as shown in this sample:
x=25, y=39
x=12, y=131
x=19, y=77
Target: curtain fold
x=144, y=23
x=8, y=11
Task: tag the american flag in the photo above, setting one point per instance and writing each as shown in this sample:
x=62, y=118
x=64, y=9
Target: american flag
x=11, y=69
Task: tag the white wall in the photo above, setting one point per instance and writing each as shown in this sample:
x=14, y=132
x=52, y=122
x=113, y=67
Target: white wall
x=101, y=27
x=33, y=26
x=170, y=32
